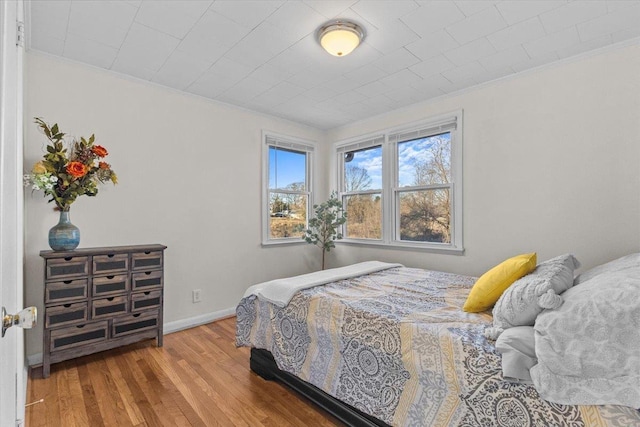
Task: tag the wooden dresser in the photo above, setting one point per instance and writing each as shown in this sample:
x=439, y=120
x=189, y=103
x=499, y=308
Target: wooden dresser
x=100, y=298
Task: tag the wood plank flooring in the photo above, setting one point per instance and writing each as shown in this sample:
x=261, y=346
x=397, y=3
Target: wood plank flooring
x=199, y=378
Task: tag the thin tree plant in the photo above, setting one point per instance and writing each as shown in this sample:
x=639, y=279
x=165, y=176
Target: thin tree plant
x=324, y=227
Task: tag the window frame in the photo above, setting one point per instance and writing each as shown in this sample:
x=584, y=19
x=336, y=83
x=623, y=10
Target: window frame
x=272, y=139
x=453, y=122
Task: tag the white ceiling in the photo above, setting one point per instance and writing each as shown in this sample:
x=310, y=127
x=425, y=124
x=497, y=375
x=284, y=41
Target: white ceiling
x=262, y=55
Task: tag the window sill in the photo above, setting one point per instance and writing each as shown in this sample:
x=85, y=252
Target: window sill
x=449, y=250
x=283, y=242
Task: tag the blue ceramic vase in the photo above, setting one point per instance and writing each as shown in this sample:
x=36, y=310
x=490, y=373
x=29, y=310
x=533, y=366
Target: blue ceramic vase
x=64, y=236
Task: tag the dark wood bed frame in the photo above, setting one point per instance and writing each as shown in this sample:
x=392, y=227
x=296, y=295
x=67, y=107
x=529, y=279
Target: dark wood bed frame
x=263, y=364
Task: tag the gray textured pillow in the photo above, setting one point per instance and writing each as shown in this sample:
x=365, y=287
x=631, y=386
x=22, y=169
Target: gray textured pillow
x=521, y=303
x=622, y=263
x=517, y=347
x=588, y=350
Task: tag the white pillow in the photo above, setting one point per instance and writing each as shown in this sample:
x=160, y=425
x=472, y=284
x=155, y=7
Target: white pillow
x=622, y=263
x=521, y=303
x=588, y=350
x=517, y=347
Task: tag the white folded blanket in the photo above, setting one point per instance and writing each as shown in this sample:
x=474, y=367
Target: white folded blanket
x=280, y=291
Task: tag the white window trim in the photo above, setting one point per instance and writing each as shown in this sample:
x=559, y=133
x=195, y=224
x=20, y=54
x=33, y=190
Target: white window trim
x=390, y=217
x=294, y=143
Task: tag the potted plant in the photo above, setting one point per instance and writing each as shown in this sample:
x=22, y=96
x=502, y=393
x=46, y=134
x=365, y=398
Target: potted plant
x=64, y=174
x=324, y=227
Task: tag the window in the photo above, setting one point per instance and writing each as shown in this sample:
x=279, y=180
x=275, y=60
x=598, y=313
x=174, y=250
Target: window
x=287, y=188
x=362, y=189
x=404, y=186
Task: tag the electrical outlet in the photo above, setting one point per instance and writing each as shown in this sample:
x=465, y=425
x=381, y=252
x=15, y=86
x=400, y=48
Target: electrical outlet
x=196, y=295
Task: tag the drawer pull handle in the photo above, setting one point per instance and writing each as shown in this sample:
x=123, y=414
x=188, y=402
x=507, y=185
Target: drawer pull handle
x=111, y=255
x=147, y=273
x=110, y=277
x=147, y=293
x=147, y=252
x=66, y=282
x=80, y=326
x=69, y=258
x=137, y=315
x=110, y=299
x=67, y=305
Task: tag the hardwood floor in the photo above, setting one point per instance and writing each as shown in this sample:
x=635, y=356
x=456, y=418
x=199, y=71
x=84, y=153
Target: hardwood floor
x=199, y=378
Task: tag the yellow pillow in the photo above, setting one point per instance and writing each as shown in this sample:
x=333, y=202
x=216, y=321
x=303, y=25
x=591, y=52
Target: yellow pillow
x=493, y=283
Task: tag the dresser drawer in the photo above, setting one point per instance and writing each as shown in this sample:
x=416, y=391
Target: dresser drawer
x=59, y=268
x=110, y=263
x=67, y=290
x=74, y=336
x=146, y=260
x=133, y=323
x=146, y=300
x=108, y=285
x=146, y=280
x=109, y=307
x=66, y=314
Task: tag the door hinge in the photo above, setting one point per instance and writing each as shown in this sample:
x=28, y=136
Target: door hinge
x=19, y=33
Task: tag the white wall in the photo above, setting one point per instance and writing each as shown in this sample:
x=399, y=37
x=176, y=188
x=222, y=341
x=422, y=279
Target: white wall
x=551, y=164
x=189, y=172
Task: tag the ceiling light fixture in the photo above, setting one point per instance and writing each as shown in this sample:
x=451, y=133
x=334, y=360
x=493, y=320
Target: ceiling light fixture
x=340, y=37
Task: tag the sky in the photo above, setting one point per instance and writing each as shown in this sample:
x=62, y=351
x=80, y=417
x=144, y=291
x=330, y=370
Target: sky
x=409, y=153
x=412, y=152
x=371, y=161
x=286, y=167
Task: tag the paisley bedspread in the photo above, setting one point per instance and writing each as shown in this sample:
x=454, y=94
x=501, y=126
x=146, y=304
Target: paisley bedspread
x=396, y=344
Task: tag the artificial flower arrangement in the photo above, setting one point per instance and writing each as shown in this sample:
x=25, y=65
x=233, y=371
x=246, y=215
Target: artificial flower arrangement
x=66, y=174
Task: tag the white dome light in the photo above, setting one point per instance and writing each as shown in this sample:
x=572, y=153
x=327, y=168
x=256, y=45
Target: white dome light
x=340, y=38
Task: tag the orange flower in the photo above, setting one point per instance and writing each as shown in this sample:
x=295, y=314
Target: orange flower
x=76, y=169
x=104, y=165
x=99, y=151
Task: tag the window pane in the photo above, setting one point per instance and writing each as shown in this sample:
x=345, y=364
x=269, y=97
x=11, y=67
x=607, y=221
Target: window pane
x=287, y=215
x=287, y=169
x=364, y=216
x=363, y=169
x=425, y=161
x=425, y=216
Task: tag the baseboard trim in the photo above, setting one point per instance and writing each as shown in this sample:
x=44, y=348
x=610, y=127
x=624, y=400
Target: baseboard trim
x=168, y=328
x=34, y=359
x=202, y=319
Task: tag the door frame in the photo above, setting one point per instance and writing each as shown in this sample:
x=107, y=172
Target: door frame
x=13, y=367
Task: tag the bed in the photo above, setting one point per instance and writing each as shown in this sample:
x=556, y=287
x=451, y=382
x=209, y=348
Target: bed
x=394, y=347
